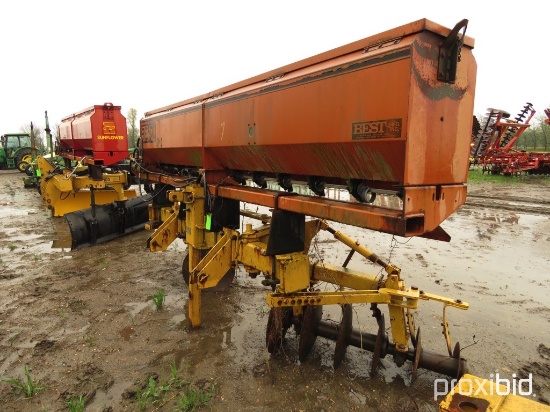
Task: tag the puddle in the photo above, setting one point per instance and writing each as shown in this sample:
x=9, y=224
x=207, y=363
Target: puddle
x=136, y=307
x=179, y=320
x=109, y=397
x=7, y=211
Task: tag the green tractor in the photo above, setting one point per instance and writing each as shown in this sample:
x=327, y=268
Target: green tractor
x=15, y=151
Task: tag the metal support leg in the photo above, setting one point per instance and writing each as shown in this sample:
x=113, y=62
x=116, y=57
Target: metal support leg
x=194, y=290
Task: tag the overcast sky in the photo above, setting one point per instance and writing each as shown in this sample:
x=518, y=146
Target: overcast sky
x=64, y=56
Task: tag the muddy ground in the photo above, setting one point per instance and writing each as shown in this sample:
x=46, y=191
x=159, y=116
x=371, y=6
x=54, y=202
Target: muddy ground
x=84, y=324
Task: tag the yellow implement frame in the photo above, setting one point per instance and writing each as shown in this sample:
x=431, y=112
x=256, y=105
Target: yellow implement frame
x=292, y=276
x=67, y=190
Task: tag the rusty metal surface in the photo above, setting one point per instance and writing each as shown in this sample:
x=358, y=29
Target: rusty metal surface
x=461, y=403
x=344, y=332
x=410, y=221
x=374, y=113
x=308, y=331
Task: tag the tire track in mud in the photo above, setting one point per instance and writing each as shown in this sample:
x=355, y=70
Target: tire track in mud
x=515, y=204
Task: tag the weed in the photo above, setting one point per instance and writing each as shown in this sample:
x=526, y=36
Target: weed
x=152, y=394
x=174, y=372
x=26, y=387
x=76, y=405
x=175, y=380
x=158, y=298
x=11, y=247
x=262, y=312
x=89, y=340
x=103, y=262
x=192, y=399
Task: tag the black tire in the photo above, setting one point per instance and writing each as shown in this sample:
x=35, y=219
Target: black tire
x=22, y=166
x=29, y=170
x=19, y=158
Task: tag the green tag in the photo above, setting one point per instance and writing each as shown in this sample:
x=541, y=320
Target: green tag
x=208, y=221
x=38, y=172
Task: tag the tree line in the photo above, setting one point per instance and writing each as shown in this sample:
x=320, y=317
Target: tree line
x=535, y=138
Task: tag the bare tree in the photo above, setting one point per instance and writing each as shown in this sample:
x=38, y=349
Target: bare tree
x=133, y=130
x=38, y=134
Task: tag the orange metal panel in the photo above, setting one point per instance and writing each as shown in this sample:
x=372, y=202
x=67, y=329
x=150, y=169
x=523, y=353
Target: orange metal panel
x=440, y=117
x=373, y=110
x=175, y=138
x=356, y=214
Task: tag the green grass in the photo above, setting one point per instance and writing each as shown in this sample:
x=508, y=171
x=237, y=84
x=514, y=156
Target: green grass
x=154, y=393
x=158, y=298
x=89, y=340
x=175, y=380
x=191, y=399
x=175, y=391
x=76, y=405
x=103, y=262
x=27, y=387
x=475, y=175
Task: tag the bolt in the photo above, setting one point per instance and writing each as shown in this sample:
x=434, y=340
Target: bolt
x=421, y=292
x=414, y=288
x=458, y=301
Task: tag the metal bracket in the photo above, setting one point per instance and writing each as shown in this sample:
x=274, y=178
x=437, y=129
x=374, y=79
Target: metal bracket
x=449, y=53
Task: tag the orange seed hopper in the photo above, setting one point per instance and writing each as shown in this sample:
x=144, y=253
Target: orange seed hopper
x=390, y=113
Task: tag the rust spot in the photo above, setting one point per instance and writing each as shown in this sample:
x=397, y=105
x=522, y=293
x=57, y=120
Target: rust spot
x=462, y=403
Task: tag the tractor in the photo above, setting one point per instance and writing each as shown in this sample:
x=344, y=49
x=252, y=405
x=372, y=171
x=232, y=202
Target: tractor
x=15, y=151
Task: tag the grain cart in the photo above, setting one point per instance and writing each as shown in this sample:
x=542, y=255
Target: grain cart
x=15, y=151
x=389, y=115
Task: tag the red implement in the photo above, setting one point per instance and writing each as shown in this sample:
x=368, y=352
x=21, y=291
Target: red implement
x=97, y=134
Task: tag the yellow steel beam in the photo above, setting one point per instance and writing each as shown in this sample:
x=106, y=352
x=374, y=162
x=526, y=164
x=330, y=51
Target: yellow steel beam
x=212, y=268
x=165, y=234
x=64, y=192
x=383, y=296
x=349, y=278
